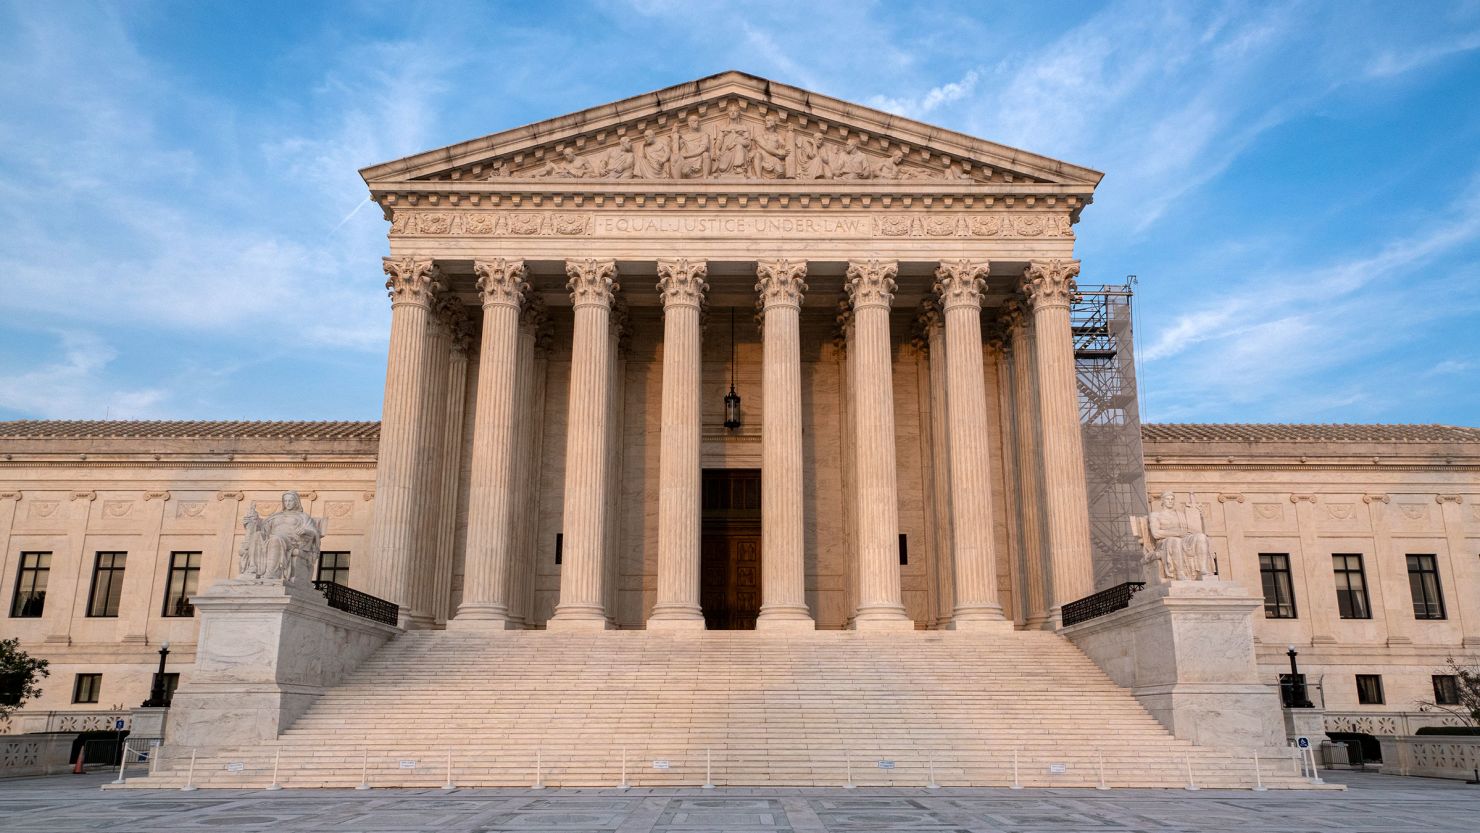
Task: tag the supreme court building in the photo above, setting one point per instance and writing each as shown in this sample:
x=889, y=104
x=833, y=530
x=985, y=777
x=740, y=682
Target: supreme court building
x=734, y=356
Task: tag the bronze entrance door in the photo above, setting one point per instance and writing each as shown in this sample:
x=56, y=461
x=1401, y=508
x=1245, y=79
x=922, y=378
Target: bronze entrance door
x=730, y=552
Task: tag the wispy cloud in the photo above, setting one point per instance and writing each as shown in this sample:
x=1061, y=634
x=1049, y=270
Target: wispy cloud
x=76, y=385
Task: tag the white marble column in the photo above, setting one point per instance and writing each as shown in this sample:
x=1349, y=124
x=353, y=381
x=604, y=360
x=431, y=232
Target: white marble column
x=959, y=283
x=931, y=323
x=428, y=456
x=491, y=497
x=681, y=286
x=530, y=399
x=1029, y=466
x=1049, y=285
x=449, y=467
x=592, y=285
x=783, y=571
x=871, y=289
x=412, y=283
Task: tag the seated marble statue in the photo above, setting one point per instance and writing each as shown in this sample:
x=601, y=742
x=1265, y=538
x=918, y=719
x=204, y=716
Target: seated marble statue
x=1174, y=538
x=281, y=546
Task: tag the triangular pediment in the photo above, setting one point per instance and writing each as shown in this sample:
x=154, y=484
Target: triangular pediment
x=731, y=127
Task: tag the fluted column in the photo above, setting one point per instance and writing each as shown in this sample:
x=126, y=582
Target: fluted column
x=592, y=284
x=681, y=286
x=529, y=413
x=1049, y=285
x=931, y=322
x=429, y=457
x=959, y=284
x=1026, y=444
x=412, y=283
x=783, y=572
x=450, y=465
x=871, y=289
x=485, y=601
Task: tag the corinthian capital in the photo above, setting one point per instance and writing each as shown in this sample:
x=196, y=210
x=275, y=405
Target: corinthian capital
x=501, y=282
x=871, y=283
x=681, y=281
x=591, y=281
x=960, y=282
x=411, y=280
x=926, y=321
x=781, y=283
x=1050, y=283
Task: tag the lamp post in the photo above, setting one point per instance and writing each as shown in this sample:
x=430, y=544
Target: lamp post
x=1299, y=698
x=157, y=693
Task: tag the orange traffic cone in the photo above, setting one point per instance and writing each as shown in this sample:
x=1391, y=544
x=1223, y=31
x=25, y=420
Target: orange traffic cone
x=77, y=767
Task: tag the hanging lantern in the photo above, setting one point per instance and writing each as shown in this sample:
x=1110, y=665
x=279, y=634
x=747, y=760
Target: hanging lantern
x=732, y=399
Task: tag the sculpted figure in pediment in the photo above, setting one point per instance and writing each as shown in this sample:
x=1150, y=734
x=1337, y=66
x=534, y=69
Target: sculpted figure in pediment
x=620, y=162
x=849, y=163
x=772, y=151
x=810, y=158
x=695, y=150
x=889, y=168
x=568, y=166
x=732, y=154
x=655, y=161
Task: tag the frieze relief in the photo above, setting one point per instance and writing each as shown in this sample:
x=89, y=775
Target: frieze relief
x=1024, y=225
x=190, y=509
x=42, y=508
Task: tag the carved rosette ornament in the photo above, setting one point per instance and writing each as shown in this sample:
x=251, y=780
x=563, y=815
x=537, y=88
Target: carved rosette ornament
x=1050, y=282
x=411, y=280
x=501, y=282
x=781, y=282
x=681, y=282
x=592, y=281
x=871, y=283
x=960, y=282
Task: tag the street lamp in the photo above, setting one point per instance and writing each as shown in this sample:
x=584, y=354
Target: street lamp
x=157, y=693
x=1299, y=697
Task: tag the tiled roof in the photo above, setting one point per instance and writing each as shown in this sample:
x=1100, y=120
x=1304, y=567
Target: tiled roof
x=1308, y=432
x=69, y=429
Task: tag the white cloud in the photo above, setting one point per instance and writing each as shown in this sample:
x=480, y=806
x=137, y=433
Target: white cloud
x=76, y=385
x=1393, y=62
x=934, y=98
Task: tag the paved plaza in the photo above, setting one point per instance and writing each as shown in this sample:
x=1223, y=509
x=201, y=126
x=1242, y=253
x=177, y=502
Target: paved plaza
x=1373, y=803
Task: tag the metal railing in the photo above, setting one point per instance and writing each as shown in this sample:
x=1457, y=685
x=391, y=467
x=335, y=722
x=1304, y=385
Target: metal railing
x=1098, y=604
x=360, y=604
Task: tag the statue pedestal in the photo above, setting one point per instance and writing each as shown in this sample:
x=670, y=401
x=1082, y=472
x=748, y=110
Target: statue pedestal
x=1305, y=723
x=266, y=651
x=1186, y=650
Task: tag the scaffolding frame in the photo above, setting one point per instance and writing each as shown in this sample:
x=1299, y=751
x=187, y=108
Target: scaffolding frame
x=1110, y=424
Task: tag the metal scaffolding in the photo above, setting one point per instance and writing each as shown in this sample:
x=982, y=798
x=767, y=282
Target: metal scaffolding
x=1110, y=422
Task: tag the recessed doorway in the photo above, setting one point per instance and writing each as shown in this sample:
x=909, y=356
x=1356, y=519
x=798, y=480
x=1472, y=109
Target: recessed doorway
x=730, y=549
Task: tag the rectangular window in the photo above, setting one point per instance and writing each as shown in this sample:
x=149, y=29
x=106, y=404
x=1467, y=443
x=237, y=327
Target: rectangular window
x=1423, y=581
x=30, y=585
x=334, y=566
x=1351, y=587
x=1369, y=689
x=182, y=583
x=1446, y=690
x=107, y=584
x=1279, y=591
x=86, y=687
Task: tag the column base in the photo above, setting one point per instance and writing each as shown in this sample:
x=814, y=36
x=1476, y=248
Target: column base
x=1041, y=622
x=675, y=618
x=578, y=618
x=890, y=618
x=788, y=618
x=981, y=620
x=465, y=622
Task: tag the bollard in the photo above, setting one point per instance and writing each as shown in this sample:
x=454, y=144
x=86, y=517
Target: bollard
x=708, y=772
x=276, y=758
x=930, y=776
x=1016, y=784
x=1191, y=784
x=848, y=765
x=624, y=785
x=539, y=780
x=449, y=785
x=1258, y=776
x=364, y=771
x=1315, y=774
x=190, y=776
x=1102, y=786
x=122, y=762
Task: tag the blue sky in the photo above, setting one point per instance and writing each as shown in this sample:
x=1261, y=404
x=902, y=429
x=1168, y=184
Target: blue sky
x=1296, y=185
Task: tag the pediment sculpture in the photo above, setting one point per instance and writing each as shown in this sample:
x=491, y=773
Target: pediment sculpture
x=734, y=147
x=283, y=546
x=1174, y=538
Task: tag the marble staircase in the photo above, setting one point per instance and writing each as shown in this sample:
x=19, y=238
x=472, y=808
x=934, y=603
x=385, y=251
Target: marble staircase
x=729, y=708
